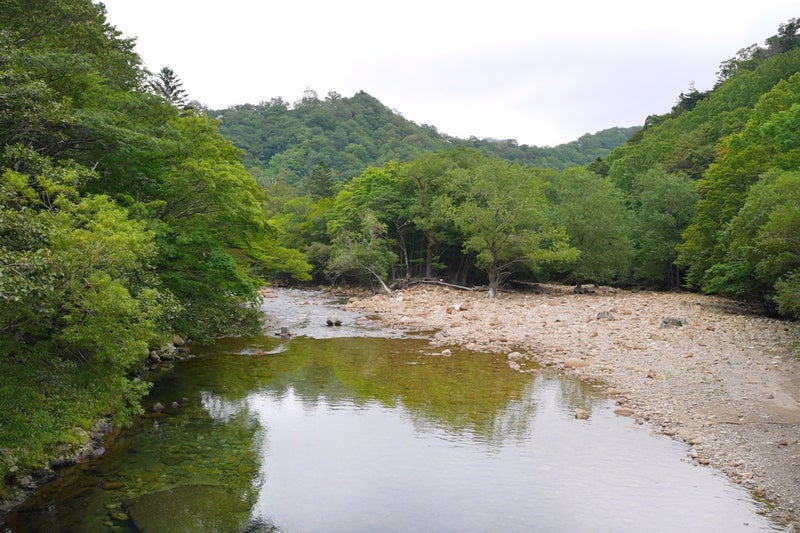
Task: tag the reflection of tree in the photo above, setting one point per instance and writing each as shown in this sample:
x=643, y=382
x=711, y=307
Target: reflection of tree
x=184, y=466
x=576, y=394
x=465, y=394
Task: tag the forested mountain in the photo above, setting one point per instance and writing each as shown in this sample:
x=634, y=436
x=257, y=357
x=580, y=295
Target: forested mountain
x=286, y=143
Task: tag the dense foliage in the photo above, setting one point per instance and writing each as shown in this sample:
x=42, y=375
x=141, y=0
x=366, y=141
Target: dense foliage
x=123, y=219
x=344, y=136
x=738, y=145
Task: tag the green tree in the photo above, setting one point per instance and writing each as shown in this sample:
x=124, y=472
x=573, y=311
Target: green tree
x=763, y=243
x=362, y=252
x=768, y=141
x=379, y=191
x=593, y=212
x=167, y=85
x=428, y=179
x=664, y=205
x=504, y=221
x=122, y=221
x=80, y=306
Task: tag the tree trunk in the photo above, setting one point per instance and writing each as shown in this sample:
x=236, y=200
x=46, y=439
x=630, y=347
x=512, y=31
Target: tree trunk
x=428, y=262
x=383, y=285
x=494, y=284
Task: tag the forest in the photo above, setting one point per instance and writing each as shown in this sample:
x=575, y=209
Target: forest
x=131, y=215
x=285, y=142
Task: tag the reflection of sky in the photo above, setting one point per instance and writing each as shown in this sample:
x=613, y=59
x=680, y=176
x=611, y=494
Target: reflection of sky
x=346, y=467
x=220, y=409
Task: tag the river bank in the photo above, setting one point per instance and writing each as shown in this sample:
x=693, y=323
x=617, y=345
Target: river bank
x=714, y=374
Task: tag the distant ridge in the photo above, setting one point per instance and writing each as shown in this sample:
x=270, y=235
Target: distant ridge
x=284, y=142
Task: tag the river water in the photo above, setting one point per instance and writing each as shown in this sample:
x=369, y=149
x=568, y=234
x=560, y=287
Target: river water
x=350, y=428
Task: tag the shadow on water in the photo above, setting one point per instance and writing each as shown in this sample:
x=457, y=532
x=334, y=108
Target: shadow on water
x=370, y=433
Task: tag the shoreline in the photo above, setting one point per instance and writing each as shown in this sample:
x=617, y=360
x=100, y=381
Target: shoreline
x=714, y=375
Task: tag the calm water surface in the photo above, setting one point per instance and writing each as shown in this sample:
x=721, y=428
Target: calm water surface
x=350, y=434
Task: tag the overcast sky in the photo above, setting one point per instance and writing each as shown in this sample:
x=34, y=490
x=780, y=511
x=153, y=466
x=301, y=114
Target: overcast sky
x=543, y=73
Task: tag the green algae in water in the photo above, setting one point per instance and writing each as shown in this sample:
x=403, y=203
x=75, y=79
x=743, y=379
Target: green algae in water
x=190, y=509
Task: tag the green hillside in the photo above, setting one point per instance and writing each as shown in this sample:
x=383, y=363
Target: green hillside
x=284, y=142
x=739, y=142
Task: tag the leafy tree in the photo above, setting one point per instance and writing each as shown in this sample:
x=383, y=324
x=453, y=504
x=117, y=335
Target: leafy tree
x=592, y=210
x=80, y=305
x=664, y=205
x=362, y=252
x=787, y=294
x=278, y=263
x=763, y=243
x=504, y=221
x=428, y=179
x=379, y=191
x=122, y=220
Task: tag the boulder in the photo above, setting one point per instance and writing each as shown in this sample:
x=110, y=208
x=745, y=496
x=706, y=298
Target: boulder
x=673, y=322
x=166, y=349
x=604, y=315
x=581, y=414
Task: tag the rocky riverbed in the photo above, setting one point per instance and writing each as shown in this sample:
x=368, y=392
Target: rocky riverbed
x=701, y=369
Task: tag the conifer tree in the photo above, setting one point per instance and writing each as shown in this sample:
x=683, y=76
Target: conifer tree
x=167, y=84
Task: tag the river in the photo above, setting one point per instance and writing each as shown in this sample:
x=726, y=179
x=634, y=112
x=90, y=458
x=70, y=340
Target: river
x=351, y=428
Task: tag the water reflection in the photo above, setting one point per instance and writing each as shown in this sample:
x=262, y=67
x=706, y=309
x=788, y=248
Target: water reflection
x=376, y=434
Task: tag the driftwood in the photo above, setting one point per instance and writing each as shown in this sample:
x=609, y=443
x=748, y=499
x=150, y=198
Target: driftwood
x=443, y=284
x=403, y=283
x=532, y=285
